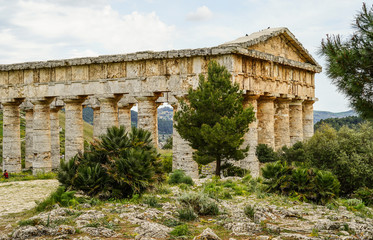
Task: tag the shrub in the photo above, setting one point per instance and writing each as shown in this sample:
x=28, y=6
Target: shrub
x=365, y=194
x=167, y=162
x=152, y=201
x=266, y=154
x=249, y=211
x=200, y=202
x=306, y=184
x=178, y=176
x=60, y=197
x=186, y=214
x=118, y=165
x=180, y=230
x=229, y=170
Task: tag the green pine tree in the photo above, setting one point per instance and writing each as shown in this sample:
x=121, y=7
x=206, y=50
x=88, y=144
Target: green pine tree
x=349, y=63
x=213, y=120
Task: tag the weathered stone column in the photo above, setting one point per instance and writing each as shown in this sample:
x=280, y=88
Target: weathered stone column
x=282, y=131
x=308, y=119
x=296, y=121
x=96, y=121
x=251, y=138
x=74, y=140
x=182, y=152
x=124, y=115
x=266, y=121
x=29, y=154
x=108, y=112
x=11, y=136
x=42, y=135
x=147, y=116
x=55, y=137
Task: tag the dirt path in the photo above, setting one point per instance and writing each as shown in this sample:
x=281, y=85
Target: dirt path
x=17, y=197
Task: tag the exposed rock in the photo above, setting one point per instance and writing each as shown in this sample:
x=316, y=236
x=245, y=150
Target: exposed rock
x=152, y=230
x=207, y=234
x=99, y=232
x=243, y=228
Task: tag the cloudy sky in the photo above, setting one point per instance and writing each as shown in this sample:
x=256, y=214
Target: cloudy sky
x=35, y=30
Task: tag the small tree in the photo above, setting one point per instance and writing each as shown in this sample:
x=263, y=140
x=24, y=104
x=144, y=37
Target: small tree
x=214, y=121
x=349, y=63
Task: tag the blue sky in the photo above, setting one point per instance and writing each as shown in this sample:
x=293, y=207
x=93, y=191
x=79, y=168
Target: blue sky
x=36, y=30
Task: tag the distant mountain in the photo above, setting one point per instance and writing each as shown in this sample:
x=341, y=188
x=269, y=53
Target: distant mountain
x=318, y=115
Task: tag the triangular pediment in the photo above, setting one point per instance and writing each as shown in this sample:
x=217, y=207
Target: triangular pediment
x=275, y=41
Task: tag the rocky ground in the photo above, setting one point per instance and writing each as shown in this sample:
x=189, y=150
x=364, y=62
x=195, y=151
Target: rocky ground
x=272, y=217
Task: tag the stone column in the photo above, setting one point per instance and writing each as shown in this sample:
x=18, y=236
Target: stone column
x=182, y=152
x=251, y=138
x=74, y=140
x=29, y=154
x=266, y=120
x=307, y=119
x=42, y=135
x=147, y=116
x=296, y=121
x=55, y=137
x=108, y=112
x=96, y=121
x=282, y=131
x=124, y=115
x=11, y=136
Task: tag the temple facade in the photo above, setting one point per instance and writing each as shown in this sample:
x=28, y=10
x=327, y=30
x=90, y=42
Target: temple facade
x=275, y=72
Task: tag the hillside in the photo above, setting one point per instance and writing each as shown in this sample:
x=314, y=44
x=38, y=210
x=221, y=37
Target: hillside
x=318, y=115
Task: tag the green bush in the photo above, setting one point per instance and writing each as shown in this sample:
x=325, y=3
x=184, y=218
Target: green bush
x=249, y=211
x=266, y=154
x=305, y=184
x=117, y=165
x=167, y=162
x=152, y=201
x=180, y=230
x=365, y=194
x=186, y=214
x=178, y=176
x=200, y=202
x=61, y=197
x=229, y=170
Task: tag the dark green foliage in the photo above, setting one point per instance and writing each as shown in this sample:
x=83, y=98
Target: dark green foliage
x=168, y=144
x=152, y=201
x=294, y=154
x=352, y=122
x=178, y=176
x=117, y=165
x=365, y=194
x=249, y=211
x=60, y=197
x=347, y=153
x=229, y=170
x=306, y=184
x=164, y=126
x=180, y=230
x=349, y=63
x=214, y=120
x=266, y=154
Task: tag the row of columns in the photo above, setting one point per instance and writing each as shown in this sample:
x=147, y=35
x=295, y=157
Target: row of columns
x=42, y=151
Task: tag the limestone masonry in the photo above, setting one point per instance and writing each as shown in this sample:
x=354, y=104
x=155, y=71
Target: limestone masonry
x=275, y=71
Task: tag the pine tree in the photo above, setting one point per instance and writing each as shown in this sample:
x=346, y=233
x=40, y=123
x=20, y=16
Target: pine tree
x=213, y=120
x=350, y=63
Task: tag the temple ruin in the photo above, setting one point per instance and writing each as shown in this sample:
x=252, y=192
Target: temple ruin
x=276, y=73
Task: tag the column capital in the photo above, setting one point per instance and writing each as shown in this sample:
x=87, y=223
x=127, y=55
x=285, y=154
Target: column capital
x=125, y=105
x=56, y=108
x=42, y=100
x=109, y=97
x=75, y=99
x=296, y=101
x=11, y=101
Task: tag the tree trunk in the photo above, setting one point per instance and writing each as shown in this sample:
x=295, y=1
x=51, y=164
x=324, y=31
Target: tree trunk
x=218, y=165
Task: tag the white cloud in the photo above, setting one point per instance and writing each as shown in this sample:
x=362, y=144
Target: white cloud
x=55, y=30
x=202, y=13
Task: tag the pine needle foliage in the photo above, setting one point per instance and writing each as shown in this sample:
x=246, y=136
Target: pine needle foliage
x=213, y=120
x=349, y=62
x=117, y=165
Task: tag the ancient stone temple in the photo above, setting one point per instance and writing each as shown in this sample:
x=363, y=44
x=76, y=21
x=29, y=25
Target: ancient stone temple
x=271, y=66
